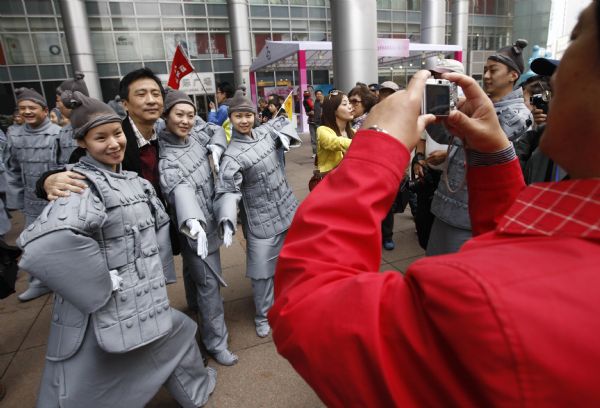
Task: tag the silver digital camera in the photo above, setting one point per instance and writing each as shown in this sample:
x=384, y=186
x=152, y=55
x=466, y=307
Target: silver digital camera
x=440, y=97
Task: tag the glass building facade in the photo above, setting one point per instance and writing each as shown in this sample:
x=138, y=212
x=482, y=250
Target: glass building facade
x=129, y=34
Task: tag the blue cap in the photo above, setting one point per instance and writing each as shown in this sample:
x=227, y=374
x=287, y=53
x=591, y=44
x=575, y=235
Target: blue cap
x=544, y=66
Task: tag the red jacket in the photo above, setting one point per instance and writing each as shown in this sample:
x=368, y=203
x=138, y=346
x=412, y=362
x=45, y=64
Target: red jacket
x=513, y=319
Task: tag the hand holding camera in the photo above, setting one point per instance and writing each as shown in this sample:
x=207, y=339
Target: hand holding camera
x=475, y=121
x=399, y=113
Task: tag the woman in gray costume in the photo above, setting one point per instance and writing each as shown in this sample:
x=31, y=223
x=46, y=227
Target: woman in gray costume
x=186, y=181
x=251, y=172
x=114, y=340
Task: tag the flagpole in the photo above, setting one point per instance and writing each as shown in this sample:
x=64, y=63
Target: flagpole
x=197, y=76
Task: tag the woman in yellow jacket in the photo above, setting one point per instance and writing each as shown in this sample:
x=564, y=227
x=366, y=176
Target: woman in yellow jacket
x=335, y=133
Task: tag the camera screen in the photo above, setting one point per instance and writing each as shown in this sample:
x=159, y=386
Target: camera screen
x=438, y=99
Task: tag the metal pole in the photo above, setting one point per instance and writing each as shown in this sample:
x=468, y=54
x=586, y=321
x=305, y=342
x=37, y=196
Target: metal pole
x=354, y=41
x=77, y=32
x=433, y=26
x=239, y=27
x=460, y=26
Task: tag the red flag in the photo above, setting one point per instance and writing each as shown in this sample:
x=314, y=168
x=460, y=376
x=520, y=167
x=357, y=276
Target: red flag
x=179, y=68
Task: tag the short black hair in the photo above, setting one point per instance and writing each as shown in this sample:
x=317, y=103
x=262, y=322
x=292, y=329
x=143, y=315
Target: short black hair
x=134, y=76
x=226, y=88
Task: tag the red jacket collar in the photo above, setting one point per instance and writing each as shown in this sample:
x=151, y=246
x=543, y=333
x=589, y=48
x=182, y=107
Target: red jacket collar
x=567, y=208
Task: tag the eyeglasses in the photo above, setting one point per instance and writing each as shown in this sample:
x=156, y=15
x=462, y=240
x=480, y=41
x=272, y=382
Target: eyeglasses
x=355, y=101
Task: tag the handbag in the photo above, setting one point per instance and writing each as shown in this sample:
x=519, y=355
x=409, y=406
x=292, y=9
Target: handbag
x=317, y=176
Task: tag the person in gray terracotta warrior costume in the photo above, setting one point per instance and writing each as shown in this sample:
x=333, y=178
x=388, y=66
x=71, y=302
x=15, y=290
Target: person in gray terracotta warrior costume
x=114, y=339
x=31, y=151
x=187, y=183
x=251, y=171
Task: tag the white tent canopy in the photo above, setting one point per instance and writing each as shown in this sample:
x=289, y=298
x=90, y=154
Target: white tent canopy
x=319, y=53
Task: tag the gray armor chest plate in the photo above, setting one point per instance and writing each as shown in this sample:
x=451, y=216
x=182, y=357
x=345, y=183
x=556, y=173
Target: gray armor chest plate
x=139, y=312
x=190, y=163
x=268, y=200
x=66, y=144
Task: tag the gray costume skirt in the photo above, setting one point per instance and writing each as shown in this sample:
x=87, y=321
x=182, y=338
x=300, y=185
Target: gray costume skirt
x=262, y=254
x=445, y=238
x=95, y=378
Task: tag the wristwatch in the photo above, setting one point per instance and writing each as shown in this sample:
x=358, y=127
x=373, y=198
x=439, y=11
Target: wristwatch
x=377, y=128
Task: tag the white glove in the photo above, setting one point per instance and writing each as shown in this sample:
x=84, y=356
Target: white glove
x=227, y=235
x=115, y=279
x=216, y=153
x=285, y=142
x=197, y=233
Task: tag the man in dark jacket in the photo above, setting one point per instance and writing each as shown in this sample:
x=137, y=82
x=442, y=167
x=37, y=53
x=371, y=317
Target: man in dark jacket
x=141, y=93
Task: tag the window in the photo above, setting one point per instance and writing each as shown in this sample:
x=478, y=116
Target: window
x=121, y=9
x=52, y=71
x=168, y=9
x=39, y=7
x=146, y=9
x=48, y=48
x=103, y=45
x=11, y=7
x=42, y=23
x=24, y=73
x=18, y=49
x=127, y=46
x=152, y=46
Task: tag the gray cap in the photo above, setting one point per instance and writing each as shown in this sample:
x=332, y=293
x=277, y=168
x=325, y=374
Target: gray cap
x=29, y=94
x=448, y=65
x=173, y=97
x=88, y=113
x=389, y=85
x=76, y=84
x=241, y=103
x=511, y=56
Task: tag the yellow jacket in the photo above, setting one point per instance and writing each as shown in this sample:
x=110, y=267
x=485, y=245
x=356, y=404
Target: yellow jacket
x=330, y=148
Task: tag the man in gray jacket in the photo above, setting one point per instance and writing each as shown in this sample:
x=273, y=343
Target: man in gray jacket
x=452, y=226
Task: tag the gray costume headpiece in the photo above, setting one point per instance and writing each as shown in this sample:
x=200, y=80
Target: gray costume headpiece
x=512, y=56
x=173, y=97
x=75, y=84
x=241, y=103
x=29, y=94
x=87, y=112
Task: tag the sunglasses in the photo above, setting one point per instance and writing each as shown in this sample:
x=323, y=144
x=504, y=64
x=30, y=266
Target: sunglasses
x=355, y=101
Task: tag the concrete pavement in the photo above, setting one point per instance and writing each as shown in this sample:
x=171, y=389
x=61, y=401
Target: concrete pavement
x=261, y=378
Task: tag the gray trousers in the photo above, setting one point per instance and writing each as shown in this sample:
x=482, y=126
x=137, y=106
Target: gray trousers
x=206, y=290
x=95, y=378
x=445, y=238
x=263, y=291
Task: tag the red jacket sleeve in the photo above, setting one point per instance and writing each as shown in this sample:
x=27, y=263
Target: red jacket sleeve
x=492, y=190
x=364, y=338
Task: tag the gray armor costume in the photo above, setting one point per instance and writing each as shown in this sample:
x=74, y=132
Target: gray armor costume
x=252, y=172
x=31, y=153
x=66, y=144
x=134, y=342
x=186, y=181
x=4, y=221
x=452, y=225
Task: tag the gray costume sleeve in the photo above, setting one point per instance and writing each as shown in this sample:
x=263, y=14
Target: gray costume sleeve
x=182, y=197
x=60, y=250
x=217, y=136
x=282, y=129
x=228, y=192
x=15, y=190
x=161, y=222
